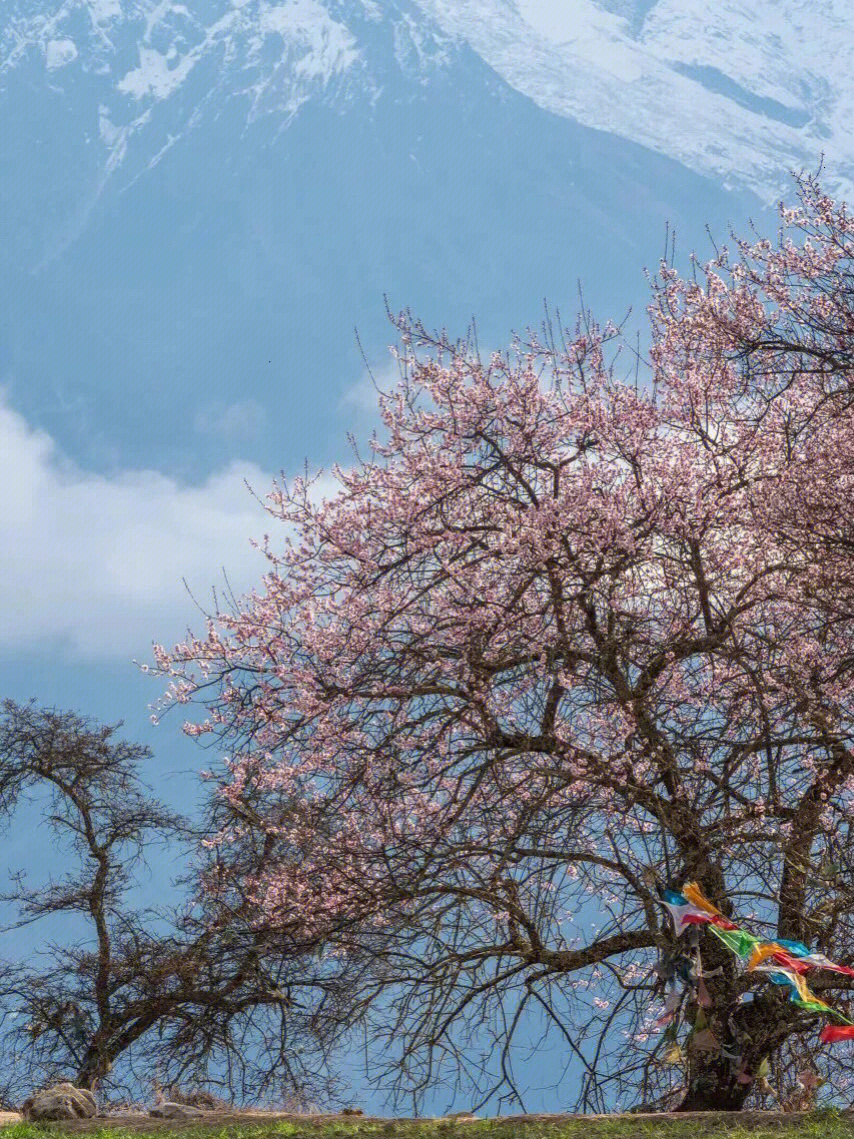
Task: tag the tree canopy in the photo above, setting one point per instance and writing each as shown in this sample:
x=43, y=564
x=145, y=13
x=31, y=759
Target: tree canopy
x=565, y=636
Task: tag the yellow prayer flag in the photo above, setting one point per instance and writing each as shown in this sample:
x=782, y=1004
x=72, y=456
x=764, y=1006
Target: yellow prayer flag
x=763, y=951
x=693, y=894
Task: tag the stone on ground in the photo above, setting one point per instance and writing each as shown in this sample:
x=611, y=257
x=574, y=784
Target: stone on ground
x=62, y=1101
x=171, y=1110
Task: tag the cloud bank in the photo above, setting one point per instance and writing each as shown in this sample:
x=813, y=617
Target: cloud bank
x=93, y=566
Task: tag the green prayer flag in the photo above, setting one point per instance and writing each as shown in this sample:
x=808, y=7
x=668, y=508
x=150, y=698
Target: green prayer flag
x=739, y=942
x=671, y=1032
x=812, y=1006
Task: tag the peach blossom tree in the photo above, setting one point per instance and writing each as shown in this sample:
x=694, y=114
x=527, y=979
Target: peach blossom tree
x=561, y=639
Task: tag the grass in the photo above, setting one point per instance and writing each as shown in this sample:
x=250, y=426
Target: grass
x=818, y=1125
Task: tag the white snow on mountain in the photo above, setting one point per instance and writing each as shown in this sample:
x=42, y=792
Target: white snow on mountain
x=58, y=53
x=168, y=39
x=742, y=90
x=140, y=57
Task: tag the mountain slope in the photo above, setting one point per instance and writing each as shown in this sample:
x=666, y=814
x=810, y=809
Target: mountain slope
x=204, y=201
x=740, y=92
x=119, y=84
x=743, y=92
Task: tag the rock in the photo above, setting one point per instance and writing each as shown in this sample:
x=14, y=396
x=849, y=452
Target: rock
x=197, y=1097
x=171, y=1110
x=62, y=1101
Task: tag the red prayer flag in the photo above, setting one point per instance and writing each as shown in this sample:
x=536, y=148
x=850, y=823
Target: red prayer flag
x=832, y=1033
x=723, y=923
x=796, y=964
x=838, y=969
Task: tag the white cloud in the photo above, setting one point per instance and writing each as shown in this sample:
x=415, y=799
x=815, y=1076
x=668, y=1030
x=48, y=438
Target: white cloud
x=362, y=395
x=240, y=420
x=92, y=565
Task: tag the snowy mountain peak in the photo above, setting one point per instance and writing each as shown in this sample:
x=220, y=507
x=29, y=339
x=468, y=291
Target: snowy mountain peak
x=742, y=93
x=298, y=38
x=155, y=68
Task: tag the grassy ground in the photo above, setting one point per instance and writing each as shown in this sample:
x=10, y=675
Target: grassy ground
x=820, y=1125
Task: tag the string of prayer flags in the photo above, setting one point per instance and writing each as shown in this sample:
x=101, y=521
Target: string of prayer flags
x=775, y=951
x=799, y=951
x=796, y=948
x=695, y=896
x=692, y=892
x=821, y=962
x=783, y=961
x=801, y=994
x=677, y=975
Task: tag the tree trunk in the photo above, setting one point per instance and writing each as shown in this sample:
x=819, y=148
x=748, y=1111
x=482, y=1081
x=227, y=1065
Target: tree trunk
x=713, y=1086
x=717, y=1083
x=94, y=1067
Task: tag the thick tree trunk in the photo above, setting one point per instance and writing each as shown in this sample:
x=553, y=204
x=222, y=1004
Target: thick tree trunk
x=714, y=1086
x=89, y=1078
x=718, y=1083
x=94, y=1067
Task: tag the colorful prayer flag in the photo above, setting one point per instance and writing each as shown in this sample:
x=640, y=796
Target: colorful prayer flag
x=783, y=960
x=796, y=948
x=737, y=940
x=819, y=961
x=682, y=912
x=693, y=894
x=776, y=952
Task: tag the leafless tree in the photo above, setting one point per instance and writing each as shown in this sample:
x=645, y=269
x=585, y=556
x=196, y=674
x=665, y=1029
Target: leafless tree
x=183, y=993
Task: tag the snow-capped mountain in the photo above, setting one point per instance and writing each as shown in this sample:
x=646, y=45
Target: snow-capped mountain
x=205, y=197
x=740, y=91
x=138, y=76
x=156, y=62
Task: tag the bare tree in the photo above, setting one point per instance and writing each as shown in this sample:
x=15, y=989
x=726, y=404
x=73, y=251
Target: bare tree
x=185, y=992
